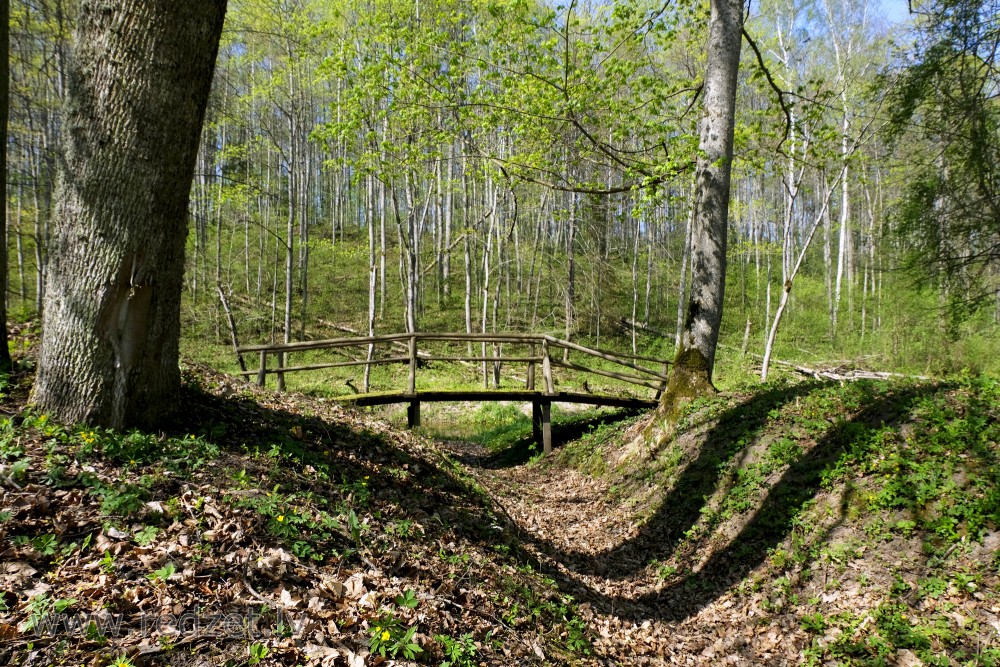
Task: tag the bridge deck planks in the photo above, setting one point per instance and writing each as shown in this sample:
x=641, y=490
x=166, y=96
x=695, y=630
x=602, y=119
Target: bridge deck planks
x=439, y=396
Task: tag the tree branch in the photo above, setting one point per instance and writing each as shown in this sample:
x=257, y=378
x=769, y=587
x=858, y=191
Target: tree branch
x=773, y=84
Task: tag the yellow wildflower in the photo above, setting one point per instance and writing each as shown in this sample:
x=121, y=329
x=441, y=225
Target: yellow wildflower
x=385, y=635
x=281, y=517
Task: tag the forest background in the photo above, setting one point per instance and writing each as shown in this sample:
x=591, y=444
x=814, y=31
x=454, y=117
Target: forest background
x=518, y=166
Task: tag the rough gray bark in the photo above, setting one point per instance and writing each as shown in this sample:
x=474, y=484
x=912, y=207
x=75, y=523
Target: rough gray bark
x=136, y=95
x=692, y=372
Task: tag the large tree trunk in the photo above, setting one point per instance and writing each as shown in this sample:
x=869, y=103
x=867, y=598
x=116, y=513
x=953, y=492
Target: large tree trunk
x=693, y=365
x=137, y=91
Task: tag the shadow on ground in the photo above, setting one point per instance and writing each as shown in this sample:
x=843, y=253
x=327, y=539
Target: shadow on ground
x=681, y=508
x=523, y=449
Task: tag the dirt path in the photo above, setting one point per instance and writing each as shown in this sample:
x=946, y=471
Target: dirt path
x=584, y=538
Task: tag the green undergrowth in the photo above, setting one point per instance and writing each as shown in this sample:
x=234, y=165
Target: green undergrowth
x=867, y=513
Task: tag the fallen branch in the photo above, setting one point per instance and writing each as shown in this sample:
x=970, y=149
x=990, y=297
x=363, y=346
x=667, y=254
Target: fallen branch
x=835, y=371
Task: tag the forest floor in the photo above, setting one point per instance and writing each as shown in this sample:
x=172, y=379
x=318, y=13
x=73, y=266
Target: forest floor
x=808, y=523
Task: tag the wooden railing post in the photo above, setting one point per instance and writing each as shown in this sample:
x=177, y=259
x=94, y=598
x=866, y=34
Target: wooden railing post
x=486, y=372
x=547, y=368
x=546, y=427
x=496, y=366
x=262, y=373
x=413, y=411
x=281, y=376
x=530, y=382
x=413, y=365
x=536, y=422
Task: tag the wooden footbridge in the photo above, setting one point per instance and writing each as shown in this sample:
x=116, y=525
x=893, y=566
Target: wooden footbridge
x=495, y=354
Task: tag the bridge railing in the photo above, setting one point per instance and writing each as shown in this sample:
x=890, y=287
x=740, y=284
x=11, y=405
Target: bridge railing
x=407, y=348
x=418, y=350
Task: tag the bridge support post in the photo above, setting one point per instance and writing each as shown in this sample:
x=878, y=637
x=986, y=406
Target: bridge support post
x=413, y=414
x=541, y=424
x=529, y=383
x=281, y=376
x=262, y=373
x=536, y=422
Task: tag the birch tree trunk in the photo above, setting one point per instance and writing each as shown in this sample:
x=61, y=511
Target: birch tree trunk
x=372, y=273
x=693, y=365
x=790, y=277
x=136, y=96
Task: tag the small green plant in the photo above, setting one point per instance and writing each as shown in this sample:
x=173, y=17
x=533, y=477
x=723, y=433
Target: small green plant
x=664, y=572
x=38, y=607
x=357, y=492
x=242, y=479
x=460, y=652
x=933, y=587
x=18, y=471
x=41, y=606
x=108, y=563
x=124, y=500
x=93, y=633
x=146, y=535
x=122, y=661
x=814, y=623
x=390, y=638
x=408, y=599
x=403, y=528
x=47, y=545
x=906, y=527
x=163, y=574
x=355, y=526
x=257, y=653
x=576, y=636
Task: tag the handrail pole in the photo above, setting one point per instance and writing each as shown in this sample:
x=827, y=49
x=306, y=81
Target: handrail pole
x=262, y=373
x=281, y=375
x=486, y=372
x=547, y=368
x=413, y=364
x=413, y=411
x=530, y=381
x=601, y=355
x=496, y=365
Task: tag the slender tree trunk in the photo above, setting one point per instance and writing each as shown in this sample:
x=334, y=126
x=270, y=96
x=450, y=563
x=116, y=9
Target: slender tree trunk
x=790, y=278
x=845, y=217
x=649, y=276
x=372, y=274
x=571, y=273
x=137, y=91
x=20, y=247
x=695, y=360
x=449, y=211
x=635, y=283
x=290, y=220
